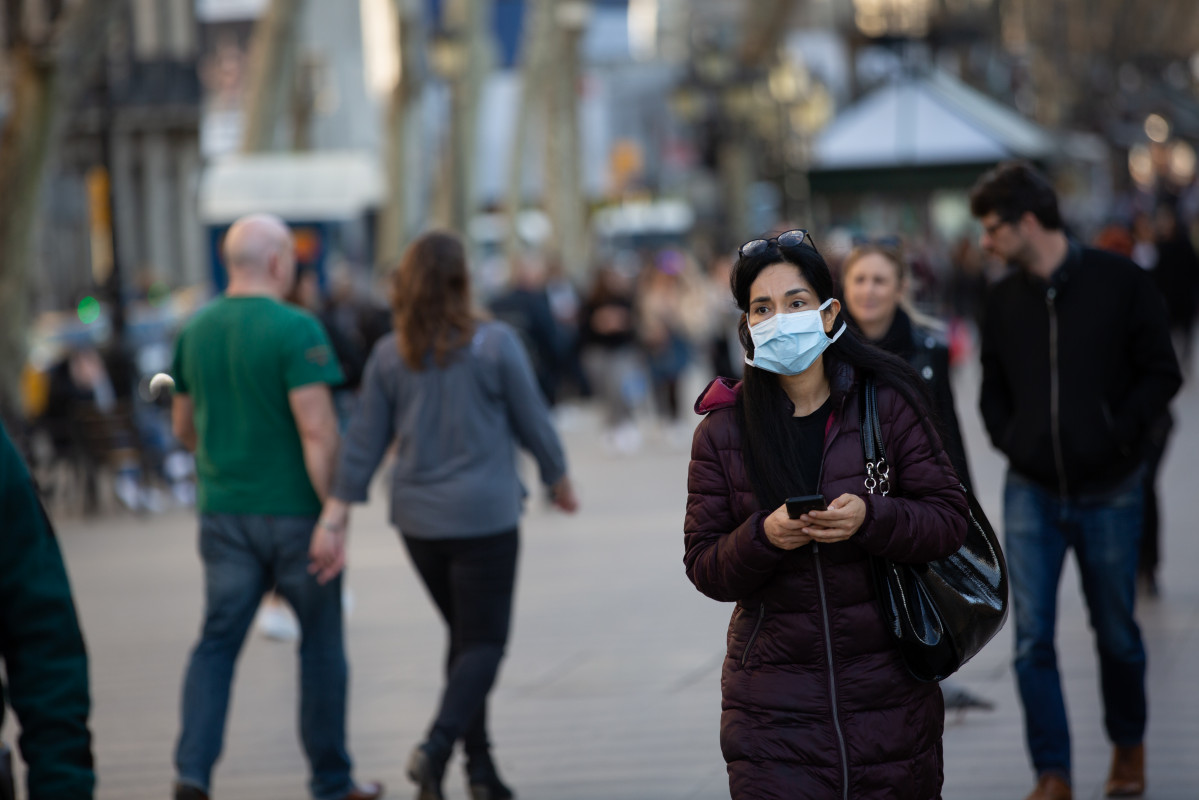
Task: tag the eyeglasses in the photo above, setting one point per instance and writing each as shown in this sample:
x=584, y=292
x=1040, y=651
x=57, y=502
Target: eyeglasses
x=789, y=240
x=994, y=227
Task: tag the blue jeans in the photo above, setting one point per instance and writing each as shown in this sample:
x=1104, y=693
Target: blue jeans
x=244, y=556
x=1104, y=532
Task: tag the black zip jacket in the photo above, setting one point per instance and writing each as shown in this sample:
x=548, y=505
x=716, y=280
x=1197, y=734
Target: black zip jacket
x=928, y=353
x=1075, y=370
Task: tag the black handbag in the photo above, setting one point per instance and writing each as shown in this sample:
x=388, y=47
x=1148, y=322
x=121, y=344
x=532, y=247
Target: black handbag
x=943, y=612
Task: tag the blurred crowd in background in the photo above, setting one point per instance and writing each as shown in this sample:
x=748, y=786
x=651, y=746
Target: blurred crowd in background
x=629, y=341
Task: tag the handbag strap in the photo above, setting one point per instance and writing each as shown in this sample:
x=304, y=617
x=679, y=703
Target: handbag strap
x=878, y=469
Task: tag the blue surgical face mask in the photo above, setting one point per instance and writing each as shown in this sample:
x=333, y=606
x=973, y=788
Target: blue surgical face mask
x=787, y=344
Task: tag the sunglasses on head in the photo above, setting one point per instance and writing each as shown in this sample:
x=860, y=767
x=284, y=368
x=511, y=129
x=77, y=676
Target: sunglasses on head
x=789, y=240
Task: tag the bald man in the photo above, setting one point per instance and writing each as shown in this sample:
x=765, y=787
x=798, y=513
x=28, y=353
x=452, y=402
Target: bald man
x=252, y=400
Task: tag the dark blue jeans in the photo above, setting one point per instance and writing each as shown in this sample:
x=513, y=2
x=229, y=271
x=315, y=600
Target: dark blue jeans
x=1104, y=532
x=244, y=556
x=471, y=581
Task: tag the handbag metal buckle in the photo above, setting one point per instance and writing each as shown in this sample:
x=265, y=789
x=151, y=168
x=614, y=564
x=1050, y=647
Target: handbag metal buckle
x=883, y=480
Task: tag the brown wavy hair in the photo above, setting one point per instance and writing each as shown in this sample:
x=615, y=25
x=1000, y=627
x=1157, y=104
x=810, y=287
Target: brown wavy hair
x=430, y=300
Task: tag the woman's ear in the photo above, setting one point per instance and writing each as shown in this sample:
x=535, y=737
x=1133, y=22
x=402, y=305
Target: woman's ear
x=830, y=315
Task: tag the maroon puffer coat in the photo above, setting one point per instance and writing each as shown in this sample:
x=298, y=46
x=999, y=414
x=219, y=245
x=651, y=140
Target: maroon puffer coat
x=816, y=702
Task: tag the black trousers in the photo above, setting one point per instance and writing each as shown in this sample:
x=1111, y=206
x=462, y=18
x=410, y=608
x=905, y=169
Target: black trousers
x=471, y=581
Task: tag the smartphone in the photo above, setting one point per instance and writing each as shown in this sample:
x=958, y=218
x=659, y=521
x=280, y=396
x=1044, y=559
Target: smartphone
x=798, y=506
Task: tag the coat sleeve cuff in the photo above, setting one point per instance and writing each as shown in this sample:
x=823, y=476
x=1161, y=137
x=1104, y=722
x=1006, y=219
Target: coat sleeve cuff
x=876, y=519
x=754, y=550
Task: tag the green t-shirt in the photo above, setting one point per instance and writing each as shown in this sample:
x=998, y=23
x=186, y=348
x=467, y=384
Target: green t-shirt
x=237, y=359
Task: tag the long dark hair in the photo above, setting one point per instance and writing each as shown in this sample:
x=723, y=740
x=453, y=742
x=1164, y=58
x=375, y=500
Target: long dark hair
x=770, y=444
x=430, y=300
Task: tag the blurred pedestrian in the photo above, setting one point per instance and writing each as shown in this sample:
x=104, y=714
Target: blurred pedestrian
x=661, y=305
x=85, y=409
x=456, y=395
x=967, y=282
x=525, y=307
x=45, y=676
x=252, y=377
x=610, y=353
x=1116, y=238
x=352, y=324
x=875, y=284
x=1177, y=275
x=567, y=306
x=1143, y=249
x=1077, y=365
x=875, y=280
x=724, y=350
x=816, y=699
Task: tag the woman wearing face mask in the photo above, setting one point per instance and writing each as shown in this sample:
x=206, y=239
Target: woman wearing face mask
x=816, y=701
x=875, y=279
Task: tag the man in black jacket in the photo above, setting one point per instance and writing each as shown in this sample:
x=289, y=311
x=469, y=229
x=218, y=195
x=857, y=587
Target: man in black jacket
x=1077, y=364
x=41, y=648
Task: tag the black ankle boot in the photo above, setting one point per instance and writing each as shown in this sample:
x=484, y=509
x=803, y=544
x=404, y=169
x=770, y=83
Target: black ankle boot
x=425, y=769
x=483, y=780
x=489, y=789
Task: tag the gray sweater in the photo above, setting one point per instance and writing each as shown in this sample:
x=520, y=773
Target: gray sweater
x=456, y=429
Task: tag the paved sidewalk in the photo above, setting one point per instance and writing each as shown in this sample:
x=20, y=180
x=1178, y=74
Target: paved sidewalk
x=611, y=686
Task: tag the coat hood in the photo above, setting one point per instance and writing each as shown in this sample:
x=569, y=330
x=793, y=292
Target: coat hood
x=720, y=393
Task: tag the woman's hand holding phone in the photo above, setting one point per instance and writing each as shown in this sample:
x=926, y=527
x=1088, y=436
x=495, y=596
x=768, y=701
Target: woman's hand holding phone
x=783, y=532
x=838, y=522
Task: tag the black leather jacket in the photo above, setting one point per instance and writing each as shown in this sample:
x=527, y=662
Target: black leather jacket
x=1075, y=370
x=928, y=353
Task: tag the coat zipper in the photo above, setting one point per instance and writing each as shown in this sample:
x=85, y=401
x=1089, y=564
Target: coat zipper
x=753, y=636
x=832, y=680
x=1055, y=392
x=833, y=421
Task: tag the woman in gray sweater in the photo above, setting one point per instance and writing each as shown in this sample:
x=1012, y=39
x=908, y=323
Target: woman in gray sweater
x=456, y=393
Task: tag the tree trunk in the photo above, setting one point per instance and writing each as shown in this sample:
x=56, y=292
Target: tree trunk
x=467, y=21
x=46, y=80
x=531, y=111
x=399, y=132
x=570, y=211
x=24, y=150
x=272, y=73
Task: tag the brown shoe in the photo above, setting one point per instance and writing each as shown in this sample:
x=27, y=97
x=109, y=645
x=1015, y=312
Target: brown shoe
x=1051, y=786
x=365, y=791
x=1127, y=776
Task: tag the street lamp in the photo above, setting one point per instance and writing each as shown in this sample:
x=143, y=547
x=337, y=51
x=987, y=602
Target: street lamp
x=901, y=18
